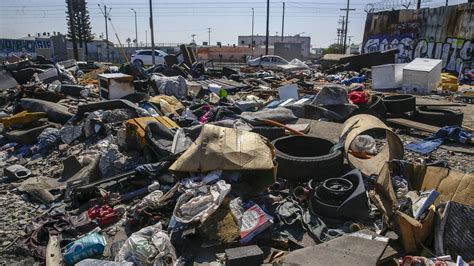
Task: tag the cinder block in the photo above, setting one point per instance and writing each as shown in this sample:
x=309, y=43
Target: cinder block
x=248, y=256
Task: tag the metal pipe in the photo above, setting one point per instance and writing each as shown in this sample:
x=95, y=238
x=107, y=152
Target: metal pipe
x=152, y=35
x=268, y=27
x=283, y=22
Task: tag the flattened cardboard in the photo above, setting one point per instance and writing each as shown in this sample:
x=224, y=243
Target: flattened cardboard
x=220, y=148
x=452, y=185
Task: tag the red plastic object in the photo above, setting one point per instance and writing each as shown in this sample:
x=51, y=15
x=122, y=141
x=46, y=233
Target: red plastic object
x=104, y=214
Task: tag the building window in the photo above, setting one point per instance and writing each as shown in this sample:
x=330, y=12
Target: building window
x=242, y=42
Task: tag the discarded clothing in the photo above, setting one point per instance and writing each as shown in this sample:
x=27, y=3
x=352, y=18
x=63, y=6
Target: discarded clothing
x=289, y=212
x=358, y=97
x=38, y=232
x=48, y=138
x=453, y=133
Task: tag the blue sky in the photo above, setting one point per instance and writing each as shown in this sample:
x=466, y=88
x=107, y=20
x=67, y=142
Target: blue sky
x=176, y=20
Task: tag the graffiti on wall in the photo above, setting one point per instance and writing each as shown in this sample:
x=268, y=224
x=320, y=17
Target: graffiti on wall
x=441, y=33
x=10, y=45
x=453, y=51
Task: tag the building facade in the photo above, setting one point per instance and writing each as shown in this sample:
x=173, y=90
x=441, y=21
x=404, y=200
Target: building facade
x=259, y=41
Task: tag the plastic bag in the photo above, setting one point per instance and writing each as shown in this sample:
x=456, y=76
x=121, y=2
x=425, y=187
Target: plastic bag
x=88, y=246
x=364, y=143
x=194, y=205
x=148, y=246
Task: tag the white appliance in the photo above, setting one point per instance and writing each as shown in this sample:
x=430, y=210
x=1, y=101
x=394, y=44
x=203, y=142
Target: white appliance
x=422, y=75
x=386, y=77
x=115, y=85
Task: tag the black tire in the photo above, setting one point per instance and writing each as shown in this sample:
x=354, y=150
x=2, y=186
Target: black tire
x=335, y=190
x=398, y=104
x=270, y=133
x=439, y=117
x=138, y=62
x=253, y=82
x=377, y=106
x=301, y=158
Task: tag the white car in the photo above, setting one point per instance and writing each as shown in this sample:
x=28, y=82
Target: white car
x=267, y=61
x=144, y=57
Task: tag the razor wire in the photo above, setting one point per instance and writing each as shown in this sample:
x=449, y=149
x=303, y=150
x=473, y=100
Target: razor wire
x=386, y=5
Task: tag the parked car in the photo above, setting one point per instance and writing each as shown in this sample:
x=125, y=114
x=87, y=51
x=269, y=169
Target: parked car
x=144, y=57
x=267, y=61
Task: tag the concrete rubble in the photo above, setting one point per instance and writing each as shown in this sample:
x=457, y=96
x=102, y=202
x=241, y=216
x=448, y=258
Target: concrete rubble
x=181, y=165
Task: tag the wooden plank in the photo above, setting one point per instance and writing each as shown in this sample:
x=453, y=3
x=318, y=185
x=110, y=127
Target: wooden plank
x=413, y=124
x=416, y=125
x=440, y=104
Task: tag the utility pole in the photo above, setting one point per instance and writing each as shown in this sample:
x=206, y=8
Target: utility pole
x=349, y=37
x=146, y=38
x=340, y=31
x=253, y=13
x=152, y=35
x=209, y=33
x=136, y=31
x=338, y=36
x=268, y=27
x=73, y=29
x=106, y=14
x=343, y=32
x=347, y=9
x=283, y=22
x=193, y=35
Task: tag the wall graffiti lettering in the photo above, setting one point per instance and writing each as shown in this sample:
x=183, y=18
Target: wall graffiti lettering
x=453, y=51
x=11, y=45
x=443, y=32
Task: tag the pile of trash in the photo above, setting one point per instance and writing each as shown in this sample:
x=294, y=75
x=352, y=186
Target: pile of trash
x=180, y=164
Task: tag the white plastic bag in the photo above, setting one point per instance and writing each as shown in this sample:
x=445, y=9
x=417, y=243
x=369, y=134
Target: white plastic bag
x=149, y=246
x=197, y=206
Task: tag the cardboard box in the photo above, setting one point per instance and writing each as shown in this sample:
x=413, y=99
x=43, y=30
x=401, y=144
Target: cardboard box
x=452, y=185
x=220, y=148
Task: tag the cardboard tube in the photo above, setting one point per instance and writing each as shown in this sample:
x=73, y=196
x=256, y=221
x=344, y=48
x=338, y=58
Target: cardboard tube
x=393, y=149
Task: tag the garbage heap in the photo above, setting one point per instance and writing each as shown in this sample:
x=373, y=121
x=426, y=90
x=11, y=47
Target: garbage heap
x=185, y=165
